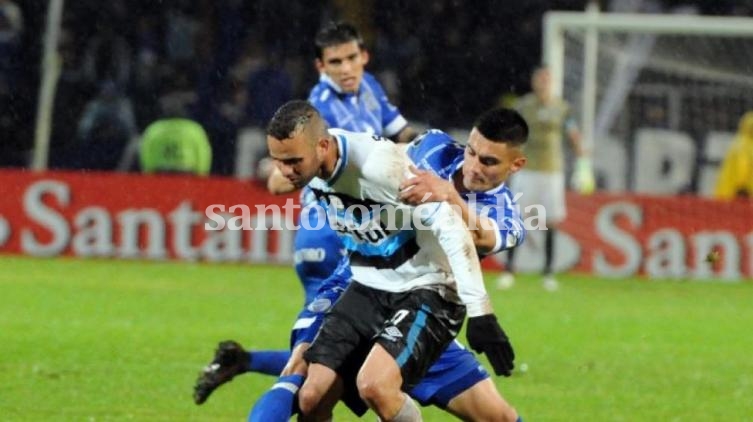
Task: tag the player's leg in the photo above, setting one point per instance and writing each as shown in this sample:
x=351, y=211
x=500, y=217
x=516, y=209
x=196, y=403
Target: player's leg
x=422, y=326
x=554, y=186
x=268, y=362
x=482, y=403
x=277, y=404
x=341, y=344
x=379, y=382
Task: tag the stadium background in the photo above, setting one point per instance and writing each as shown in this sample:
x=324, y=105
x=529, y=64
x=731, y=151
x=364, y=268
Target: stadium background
x=121, y=339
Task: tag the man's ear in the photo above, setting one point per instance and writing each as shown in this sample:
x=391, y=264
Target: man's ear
x=518, y=163
x=365, y=56
x=319, y=64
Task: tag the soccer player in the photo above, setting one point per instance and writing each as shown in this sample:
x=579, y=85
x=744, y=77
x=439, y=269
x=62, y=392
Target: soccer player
x=406, y=269
x=735, y=178
x=349, y=98
x=543, y=180
x=456, y=382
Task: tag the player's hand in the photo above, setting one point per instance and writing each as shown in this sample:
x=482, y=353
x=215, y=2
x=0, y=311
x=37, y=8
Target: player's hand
x=486, y=336
x=423, y=187
x=583, y=176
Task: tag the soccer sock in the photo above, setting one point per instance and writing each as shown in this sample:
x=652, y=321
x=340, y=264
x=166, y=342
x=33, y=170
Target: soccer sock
x=549, y=250
x=270, y=362
x=519, y=419
x=277, y=403
x=409, y=412
x=511, y=261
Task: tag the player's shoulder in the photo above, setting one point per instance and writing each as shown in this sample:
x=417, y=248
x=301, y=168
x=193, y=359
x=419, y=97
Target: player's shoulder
x=435, y=149
x=370, y=80
x=320, y=93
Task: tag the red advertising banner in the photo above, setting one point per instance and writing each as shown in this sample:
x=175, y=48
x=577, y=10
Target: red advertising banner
x=669, y=237
x=139, y=216
x=164, y=217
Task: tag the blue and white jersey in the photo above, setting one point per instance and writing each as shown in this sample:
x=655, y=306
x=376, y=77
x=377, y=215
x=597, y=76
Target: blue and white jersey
x=367, y=111
x=388, y=251
x=321, y=260
x=436, y=151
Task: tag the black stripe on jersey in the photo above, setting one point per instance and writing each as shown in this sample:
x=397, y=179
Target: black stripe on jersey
x=406, y=252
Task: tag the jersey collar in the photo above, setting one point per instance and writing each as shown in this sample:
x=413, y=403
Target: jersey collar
x=333, y=86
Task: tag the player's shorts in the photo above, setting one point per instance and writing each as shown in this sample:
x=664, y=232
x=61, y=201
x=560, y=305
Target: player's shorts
x=415, y=327
x=541, y=188
x=311, y=317
x=456, y=371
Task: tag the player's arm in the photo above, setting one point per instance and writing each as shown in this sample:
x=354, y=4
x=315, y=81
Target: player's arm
x=483, y=332
x=426, y=186
x=278, y=184
x=575, y=137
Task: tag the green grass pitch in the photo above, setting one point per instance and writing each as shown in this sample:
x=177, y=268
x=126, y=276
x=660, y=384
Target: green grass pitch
x=90, y=340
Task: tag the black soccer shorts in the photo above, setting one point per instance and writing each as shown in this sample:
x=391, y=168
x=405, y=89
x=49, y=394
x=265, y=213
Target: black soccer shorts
x=415, y=327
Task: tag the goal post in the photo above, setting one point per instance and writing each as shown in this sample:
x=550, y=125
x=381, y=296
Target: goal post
x=693, y=72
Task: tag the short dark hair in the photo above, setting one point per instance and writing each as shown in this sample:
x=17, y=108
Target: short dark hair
x=503, y=125
x=289, y=118
x=336, y=33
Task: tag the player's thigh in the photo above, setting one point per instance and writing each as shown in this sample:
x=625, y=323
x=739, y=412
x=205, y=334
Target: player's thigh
x=419, y=330
x=347, y=327
x=379, y=368
x=296, y=364
x=317, y=391
x=482, y=402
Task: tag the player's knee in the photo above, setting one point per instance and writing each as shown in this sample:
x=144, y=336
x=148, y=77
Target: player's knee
x=308, y=399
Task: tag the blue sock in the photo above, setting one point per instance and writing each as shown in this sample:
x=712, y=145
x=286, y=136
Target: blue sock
x=276, y=405
x=270, y=362
x=519, y=419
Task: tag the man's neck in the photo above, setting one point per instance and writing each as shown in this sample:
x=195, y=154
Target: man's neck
x=330, y=160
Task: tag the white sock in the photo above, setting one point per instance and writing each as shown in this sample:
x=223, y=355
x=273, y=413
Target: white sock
x=409, y=412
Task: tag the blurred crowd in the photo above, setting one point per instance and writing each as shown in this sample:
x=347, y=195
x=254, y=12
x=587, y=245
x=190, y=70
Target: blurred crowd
x=228, y=64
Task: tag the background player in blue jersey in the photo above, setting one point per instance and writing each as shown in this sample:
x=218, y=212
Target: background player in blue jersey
x=347, y=96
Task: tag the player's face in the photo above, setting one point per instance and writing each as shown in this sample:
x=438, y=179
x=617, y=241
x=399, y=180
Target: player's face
x=298, y=158
x=344, y=64
x=487, y=163
x=541, y=82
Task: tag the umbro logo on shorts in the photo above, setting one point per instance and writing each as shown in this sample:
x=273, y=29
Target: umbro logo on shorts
x=392, y=333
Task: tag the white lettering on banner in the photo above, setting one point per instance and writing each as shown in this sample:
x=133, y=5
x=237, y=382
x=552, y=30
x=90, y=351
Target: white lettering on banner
x=130, y=222
x=142, y=233
x=93, y=236
x=47, y=217
x=704, y=242
x=666, y=254
x=621, y=240
x=182, y=219
x=5, y=230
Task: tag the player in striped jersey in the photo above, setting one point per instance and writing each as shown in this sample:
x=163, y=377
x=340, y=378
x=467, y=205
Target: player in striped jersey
x=367, y=253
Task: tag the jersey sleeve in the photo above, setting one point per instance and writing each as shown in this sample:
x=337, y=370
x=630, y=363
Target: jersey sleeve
x=436, y=151
x=505, y=216
x=392, y=121
x=456, y=242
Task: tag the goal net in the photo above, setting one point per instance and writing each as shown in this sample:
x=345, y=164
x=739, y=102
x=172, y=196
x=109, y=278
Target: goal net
x=659, y=97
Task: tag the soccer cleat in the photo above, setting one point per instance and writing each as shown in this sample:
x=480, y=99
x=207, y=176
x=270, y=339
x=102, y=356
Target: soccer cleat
x=230, y=359
x=505, y=281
